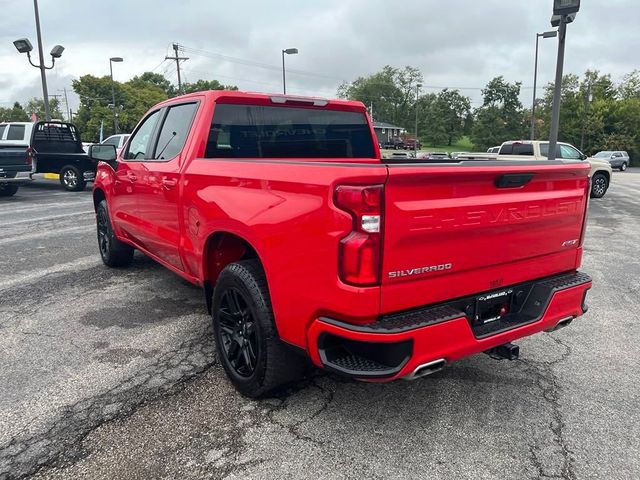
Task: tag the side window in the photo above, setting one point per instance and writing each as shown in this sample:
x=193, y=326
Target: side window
x=175, y=130
x=544, y=150
x=569, y=153
x=139, y=146
x=16, y=132
x=112, y=141
x=2, y=128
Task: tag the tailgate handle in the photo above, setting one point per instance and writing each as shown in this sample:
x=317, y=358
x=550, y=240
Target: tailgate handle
x=513, y=180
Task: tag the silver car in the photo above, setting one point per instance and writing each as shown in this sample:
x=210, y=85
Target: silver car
x=617, y=158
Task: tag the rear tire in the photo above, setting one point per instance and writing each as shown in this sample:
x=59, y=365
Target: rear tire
x=599, y=185
x=71, y=179
x=623, y=167
x=8, y=190
x=253, y=356
x=113, y=252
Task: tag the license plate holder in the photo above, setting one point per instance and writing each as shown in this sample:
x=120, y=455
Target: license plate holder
x=492, y=307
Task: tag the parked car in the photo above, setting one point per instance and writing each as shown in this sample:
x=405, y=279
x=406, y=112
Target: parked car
x=15, y=162
x=617, y=159
x=307, y=244
x=118, y=140
x=412, y=144
x=439, y=156
x=394, y=144
x=56, y=147
x=600, y=170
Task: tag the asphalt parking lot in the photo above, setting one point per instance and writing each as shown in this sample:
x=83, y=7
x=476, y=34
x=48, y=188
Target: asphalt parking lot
x=112, y=374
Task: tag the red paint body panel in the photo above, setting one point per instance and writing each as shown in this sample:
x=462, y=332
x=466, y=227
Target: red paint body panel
x=284, y=209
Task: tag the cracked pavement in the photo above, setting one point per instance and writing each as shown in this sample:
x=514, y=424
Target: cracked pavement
x=113, y=374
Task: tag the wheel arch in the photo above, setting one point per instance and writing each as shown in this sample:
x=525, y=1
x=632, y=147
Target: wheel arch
x=98, y=196
x=220, y=249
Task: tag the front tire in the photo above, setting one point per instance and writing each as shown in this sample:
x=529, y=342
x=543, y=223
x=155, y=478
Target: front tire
x=113, y=252
x=8, y=190
x=71, y=179
x=599, y=185
x=253, y=356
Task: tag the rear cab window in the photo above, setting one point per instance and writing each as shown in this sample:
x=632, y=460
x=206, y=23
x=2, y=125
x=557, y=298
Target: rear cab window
x=16, y=132
x=255, y=131
x=517, y=149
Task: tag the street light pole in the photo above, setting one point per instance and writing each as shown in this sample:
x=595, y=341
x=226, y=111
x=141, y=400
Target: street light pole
x=43, y=76
x=550, y=34
x=288, y=51
x=415, y=142
x=555, y=112
x=113, y=92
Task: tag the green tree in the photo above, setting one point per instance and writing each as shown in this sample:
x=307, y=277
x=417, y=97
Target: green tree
x=36, y=105
x=203, y=85
x=14, y=114
x=444, y=117
x=391, y=92
x=501, y=117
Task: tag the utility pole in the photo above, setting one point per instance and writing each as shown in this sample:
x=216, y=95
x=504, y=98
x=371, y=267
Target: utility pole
x=55, y=96
x=177, y=58
x=555, y=111
x=66, y=102
x=415, y=142
x=43, y=77
x=587, y=101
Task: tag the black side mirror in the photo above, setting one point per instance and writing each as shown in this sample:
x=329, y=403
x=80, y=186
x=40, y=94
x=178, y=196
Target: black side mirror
x=583, y=156
x=104, y=153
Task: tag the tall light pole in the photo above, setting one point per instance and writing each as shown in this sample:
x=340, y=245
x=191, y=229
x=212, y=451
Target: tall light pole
x=288, y=51
x=549, y=34
x=113, y=91
x=23, y=45
x=415, y=142
x=564, y=11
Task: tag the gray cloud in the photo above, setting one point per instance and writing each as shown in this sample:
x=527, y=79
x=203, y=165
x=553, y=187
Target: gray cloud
x=456, y=43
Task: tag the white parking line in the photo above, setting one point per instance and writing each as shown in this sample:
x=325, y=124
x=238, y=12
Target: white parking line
x=50, y=217
x=82, y=263
x=40, y=206
x=47, y=234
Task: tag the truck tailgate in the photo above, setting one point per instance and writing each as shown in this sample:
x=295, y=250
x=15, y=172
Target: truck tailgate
x=13, y=158
x=451, y=231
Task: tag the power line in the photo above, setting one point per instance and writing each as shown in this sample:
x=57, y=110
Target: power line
x=253, y=63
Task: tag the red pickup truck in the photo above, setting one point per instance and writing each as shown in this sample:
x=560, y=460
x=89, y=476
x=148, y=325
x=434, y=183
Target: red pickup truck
x=306, y=242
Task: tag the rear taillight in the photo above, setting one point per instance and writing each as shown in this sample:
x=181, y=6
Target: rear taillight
x=360, y=252
x=587, y=194
x=29, y=156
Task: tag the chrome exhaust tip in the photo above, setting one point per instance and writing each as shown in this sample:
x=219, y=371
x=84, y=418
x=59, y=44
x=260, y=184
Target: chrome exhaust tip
x=426, y=369
x=565, y=322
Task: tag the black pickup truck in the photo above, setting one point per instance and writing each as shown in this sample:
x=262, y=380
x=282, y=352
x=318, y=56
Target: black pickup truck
x=56, y=148
x=47, y=147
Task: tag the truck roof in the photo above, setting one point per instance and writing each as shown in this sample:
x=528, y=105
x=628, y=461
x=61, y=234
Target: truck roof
x=236, y=96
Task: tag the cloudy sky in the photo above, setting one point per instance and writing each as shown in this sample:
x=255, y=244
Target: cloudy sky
x=455, y=43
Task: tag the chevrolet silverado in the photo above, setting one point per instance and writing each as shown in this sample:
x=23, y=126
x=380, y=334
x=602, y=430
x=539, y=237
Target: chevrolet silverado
x=306, y=243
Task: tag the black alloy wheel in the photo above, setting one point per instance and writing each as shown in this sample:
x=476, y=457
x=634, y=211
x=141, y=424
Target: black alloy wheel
x=113, y=252
x=238, y=333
